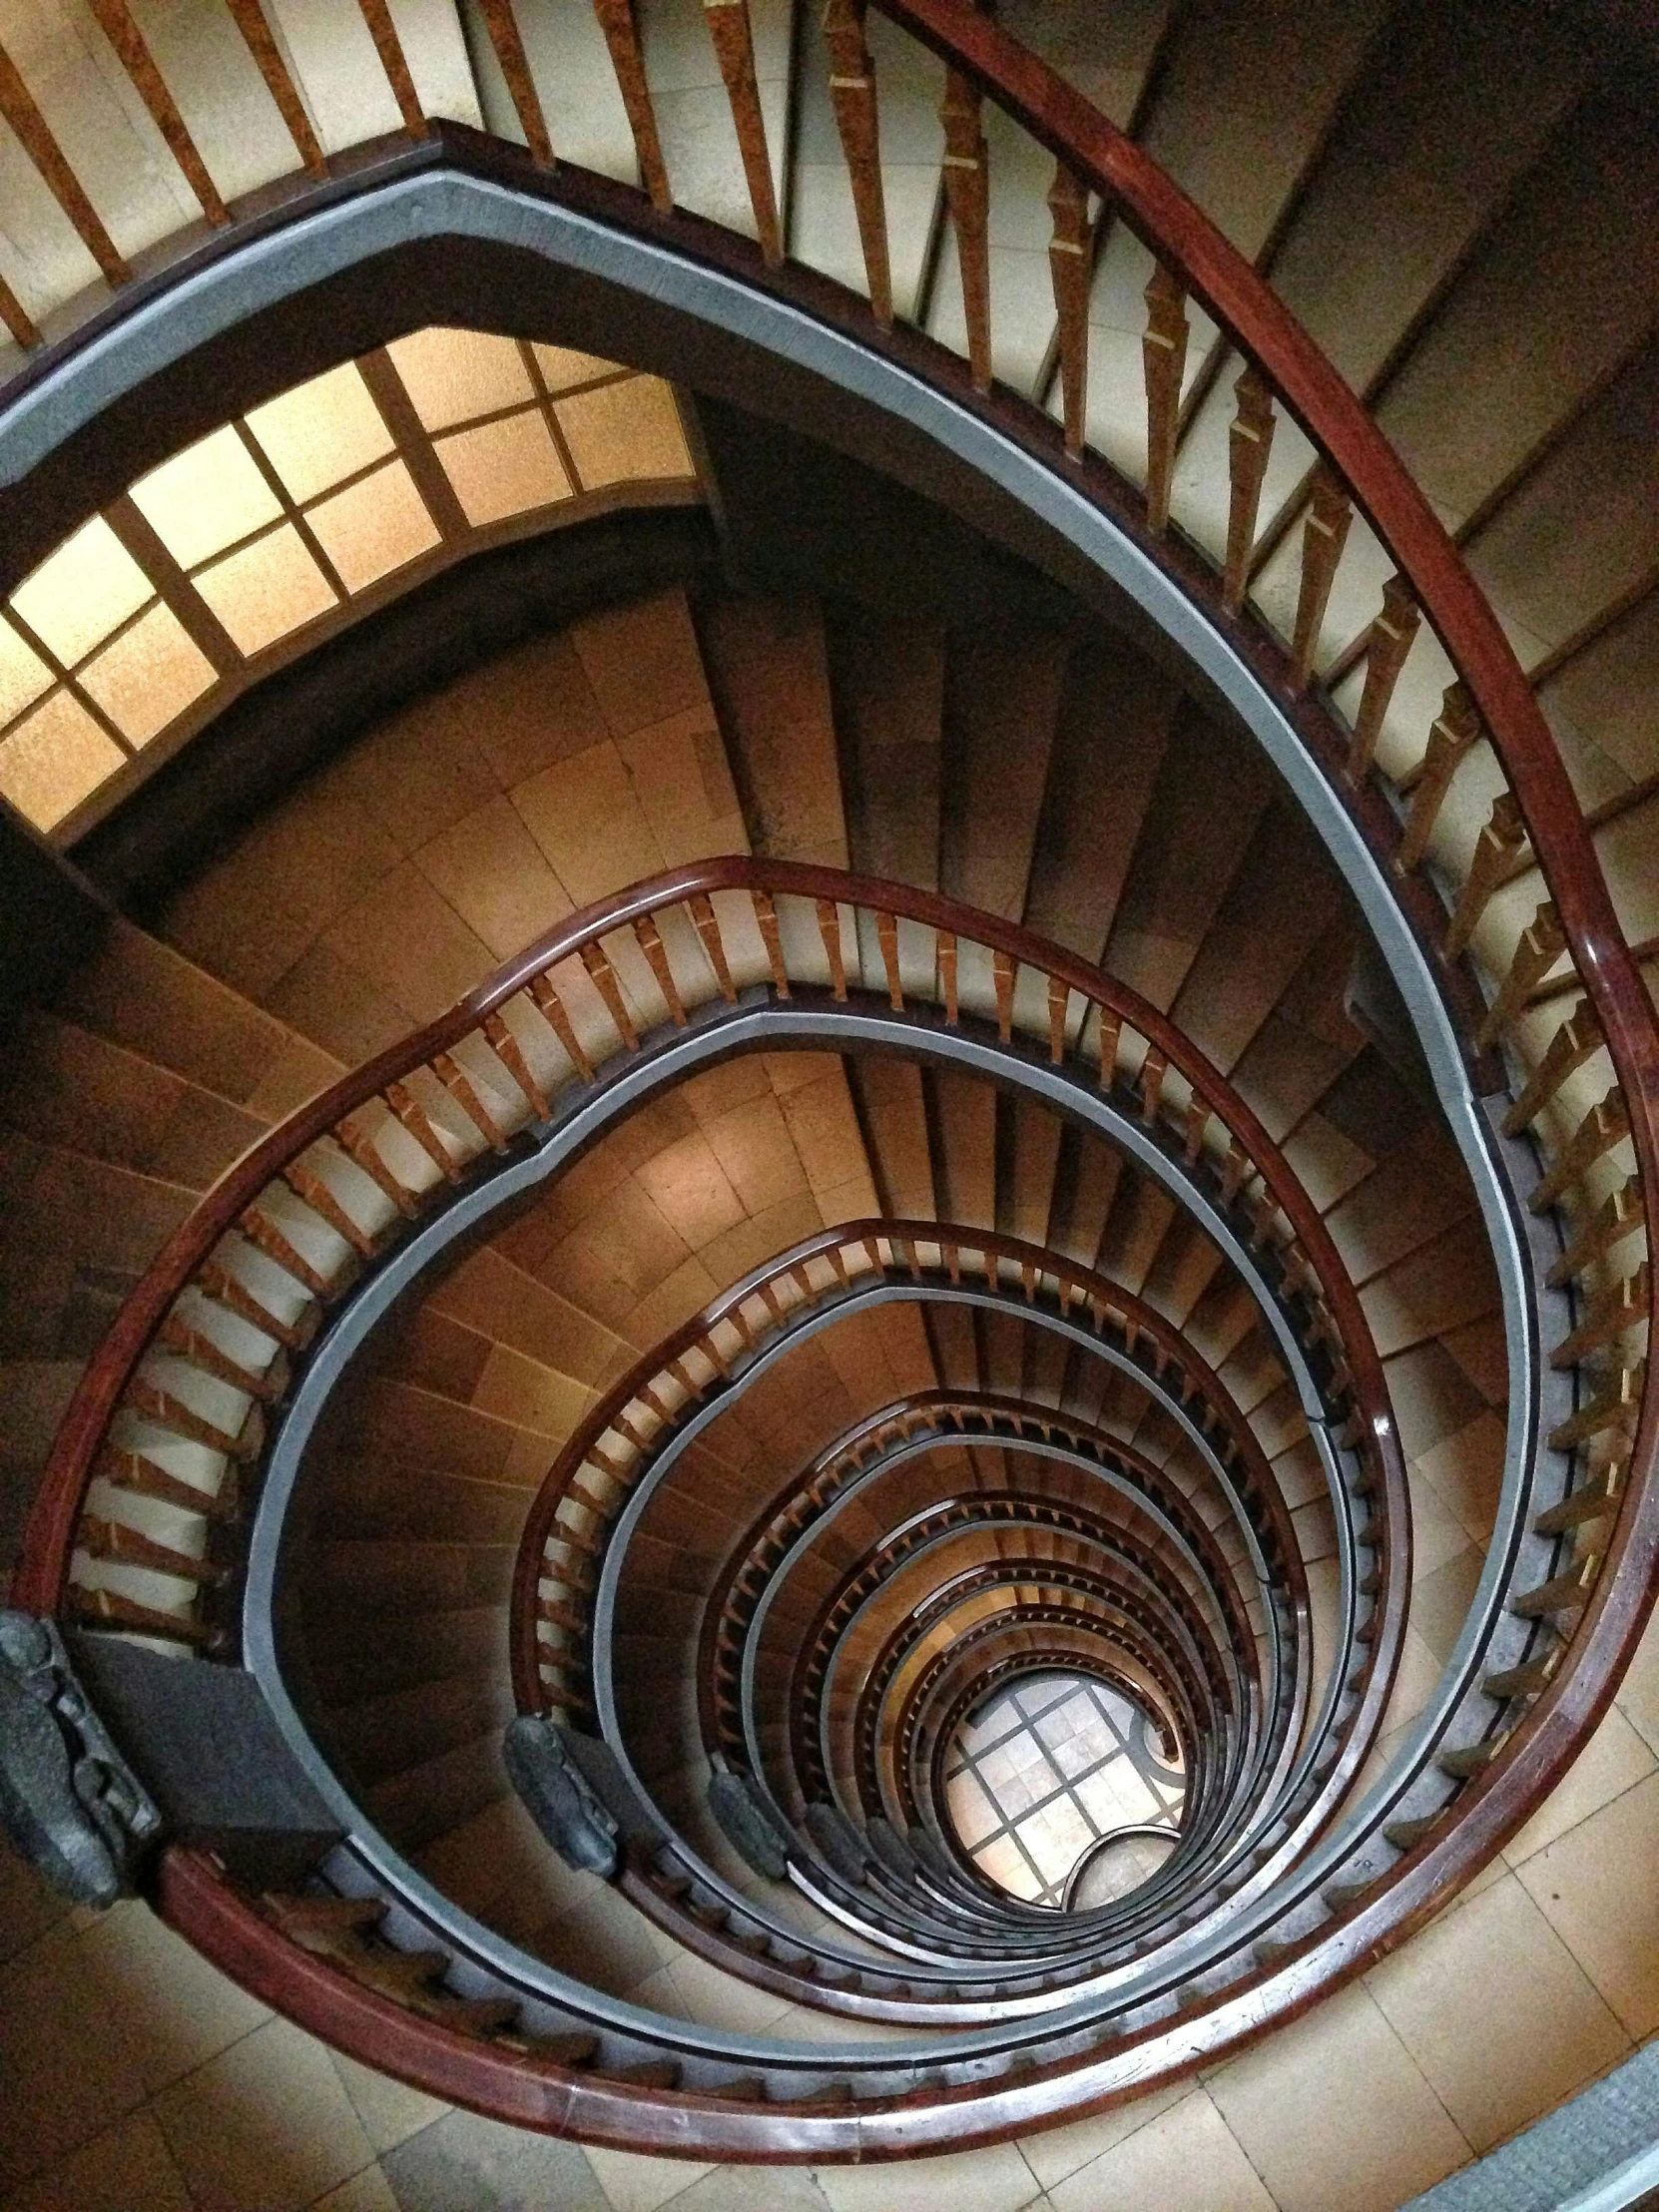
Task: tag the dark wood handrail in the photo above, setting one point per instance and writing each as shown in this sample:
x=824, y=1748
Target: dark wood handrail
x=923, y=1406
x=1278, y=1540
x=1539, y=1750
x=48, y=1538
x=1327, y=409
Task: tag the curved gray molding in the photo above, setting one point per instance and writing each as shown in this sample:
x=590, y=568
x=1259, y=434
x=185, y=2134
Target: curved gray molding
x=269, y=269
x=713, y=1032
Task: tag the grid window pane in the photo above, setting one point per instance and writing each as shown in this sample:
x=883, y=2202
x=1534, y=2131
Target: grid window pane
x=206, y=498
x=82, y=592
x=562, y=368
x=504, y=468
x=54, y=760
x=454, y=375
x=267, y=589
x=149, y=675
x=1044, y=1771
x=1008, y=1867
x=321, y=431
x=624, y=433
x=972, y=1810
x=374, y=526
x=23, y=674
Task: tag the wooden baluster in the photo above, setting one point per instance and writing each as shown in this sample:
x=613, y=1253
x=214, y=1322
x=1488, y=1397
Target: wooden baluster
x=360, y=1148
x=967, y=196
x=947, y=976
x=714, y=945
x=1198, y=1120
x=1059, y=1001
x=728, y=27
x=1494, y=852
x=175, y=1335
x=1163, y=364
x=16, y=316
x=160, y=1405
x=383, y=31
x=621, y=36
x=1323, y=534
x=304, y=1182
x=502, y=26
x=1387, y=644
x=1071, y=271
x=766, y=916
x=265, y=1235
x=469, y=1099
x=29, y=127
x=1624, y=1305
x=1455, y=731
x=109, y=1609
x=610, y=991
x=412, y=1114
x=1563, y=1593
x=510, y=1053
x=1539, y=948
x=1003, y=968
x=1576, y=1042
x=559, y=1021
x=650, y=941
x=124, y=1470
x=1111, y=1029
x=112, y=1539
x=829, y=928
x=1235, y=1169
x=1593, y=1501
x=249, y=20
x=887, y=931
x=1618, y=1215
x=1248, y=443
x=115, y=20
x=1604, y=1126
x=1153, y=1068
x=853, y=95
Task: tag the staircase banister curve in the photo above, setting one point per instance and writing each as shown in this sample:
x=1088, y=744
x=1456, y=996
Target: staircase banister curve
x=49, y=1532
x=1245, y=306
x=1493, y=1803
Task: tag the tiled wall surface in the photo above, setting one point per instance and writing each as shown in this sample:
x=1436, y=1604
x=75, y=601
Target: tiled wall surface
x=135, y=2078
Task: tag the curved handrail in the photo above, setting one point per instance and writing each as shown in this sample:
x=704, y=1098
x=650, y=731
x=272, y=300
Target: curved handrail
x=855, y=1250
x=1335, y=419
x=729, y=1608
x=1537, y=1751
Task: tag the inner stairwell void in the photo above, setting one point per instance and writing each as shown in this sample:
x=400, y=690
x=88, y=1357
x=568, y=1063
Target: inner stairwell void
x=827, y=1106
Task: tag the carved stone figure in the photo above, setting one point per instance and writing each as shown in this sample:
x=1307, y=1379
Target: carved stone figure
x=748, y=1826
x=69, y=1801
x=561, y=1800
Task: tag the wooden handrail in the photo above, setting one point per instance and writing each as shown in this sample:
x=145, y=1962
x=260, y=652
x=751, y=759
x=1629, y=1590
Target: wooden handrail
x=48, y=1539
x=1534, y=1753
x=1334, y=418
x=763, y=1538
x=1094, y=1292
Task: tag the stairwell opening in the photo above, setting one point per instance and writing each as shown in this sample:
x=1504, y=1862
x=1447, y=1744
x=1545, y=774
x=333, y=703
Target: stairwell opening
x=1062, y=1791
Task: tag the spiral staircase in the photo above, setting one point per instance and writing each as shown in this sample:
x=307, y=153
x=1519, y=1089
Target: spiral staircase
x=938, y=1021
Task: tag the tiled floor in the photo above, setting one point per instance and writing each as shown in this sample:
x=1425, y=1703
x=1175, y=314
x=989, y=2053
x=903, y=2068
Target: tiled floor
x=1043, y=1772
x=133, y=2078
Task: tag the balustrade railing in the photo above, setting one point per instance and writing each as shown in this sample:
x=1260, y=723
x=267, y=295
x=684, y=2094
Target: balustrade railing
x=174, y=1410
